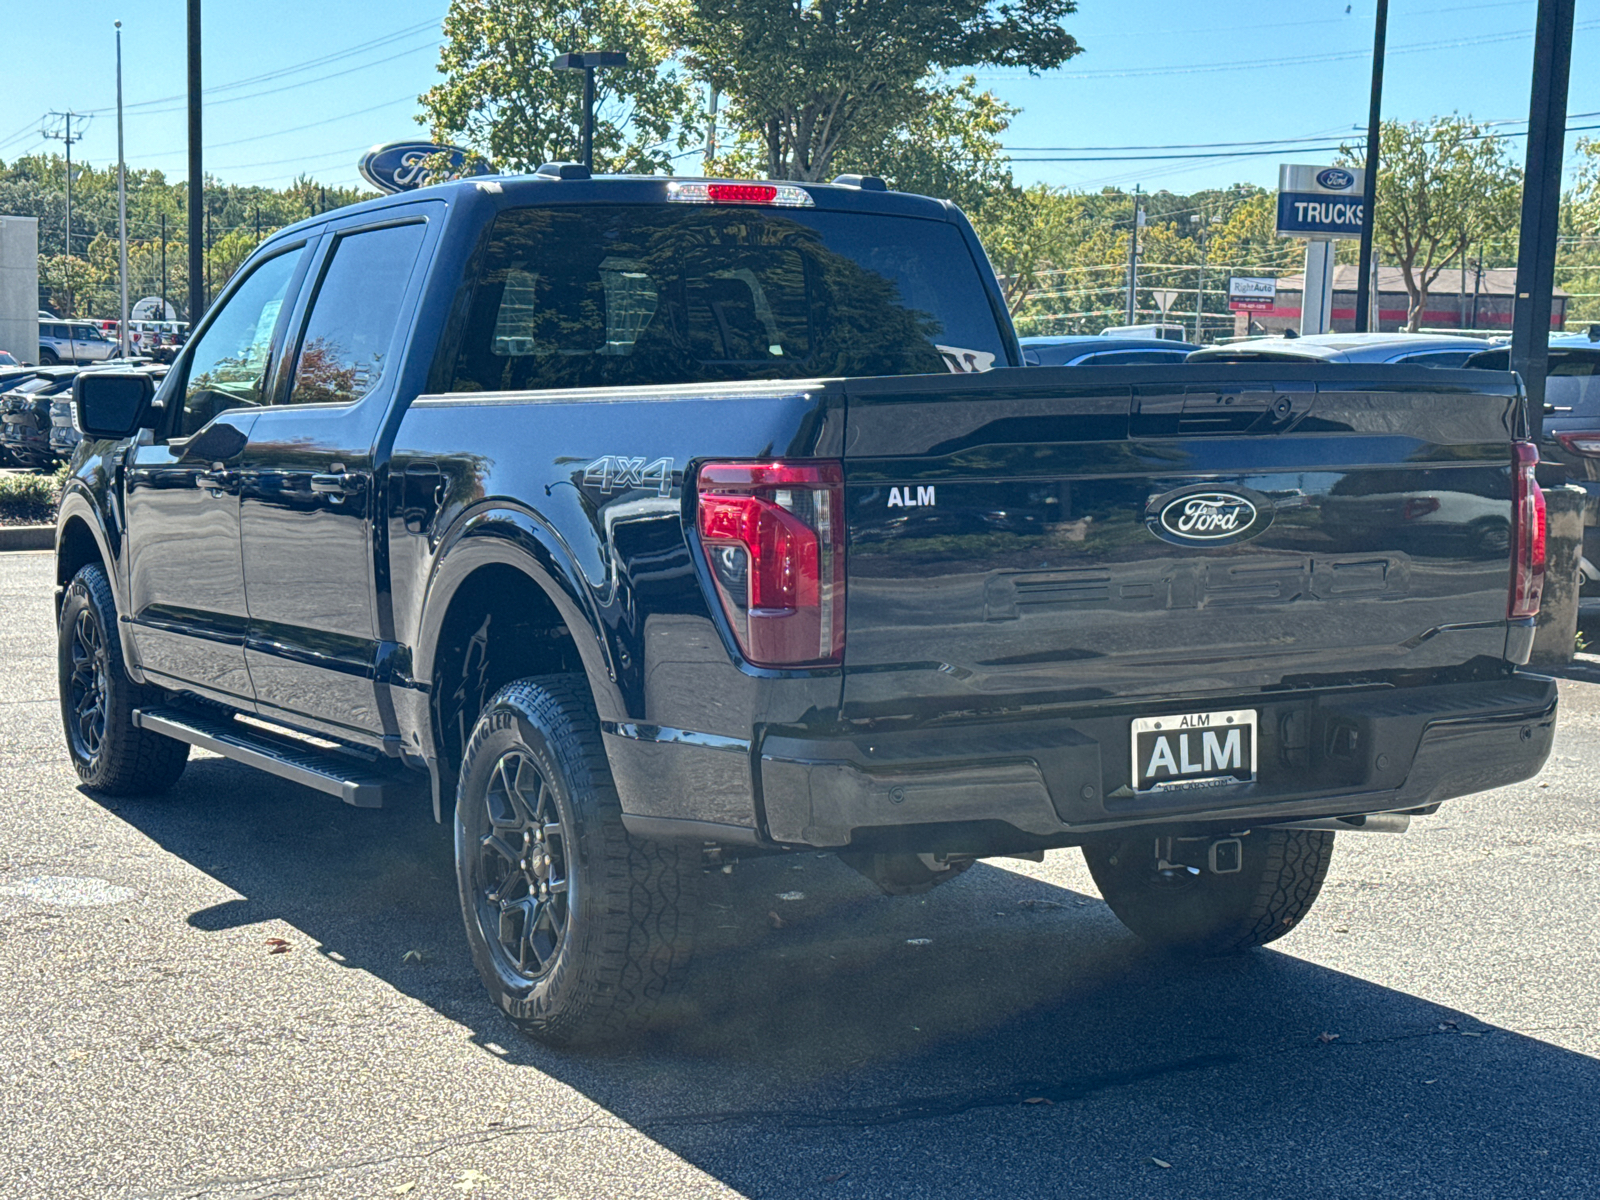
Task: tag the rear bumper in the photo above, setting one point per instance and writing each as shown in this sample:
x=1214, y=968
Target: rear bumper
x=1321, y=754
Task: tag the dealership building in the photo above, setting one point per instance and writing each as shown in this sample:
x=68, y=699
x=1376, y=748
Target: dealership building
x=1484, y=302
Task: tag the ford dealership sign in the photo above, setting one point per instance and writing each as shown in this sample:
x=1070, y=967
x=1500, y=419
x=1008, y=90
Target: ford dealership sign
x=397, y=167
x=1320, y=202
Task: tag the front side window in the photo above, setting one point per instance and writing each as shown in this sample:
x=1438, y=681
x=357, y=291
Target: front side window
x=353, y=316
x=228, y=366
x=657, y=294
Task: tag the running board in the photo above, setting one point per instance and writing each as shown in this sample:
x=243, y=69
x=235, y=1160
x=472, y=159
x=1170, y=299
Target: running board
x=282, y=755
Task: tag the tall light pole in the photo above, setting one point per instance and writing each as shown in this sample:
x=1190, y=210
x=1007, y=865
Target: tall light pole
x=122, y=210
x=197, y=179
x=1369, y=188
x=587, y=62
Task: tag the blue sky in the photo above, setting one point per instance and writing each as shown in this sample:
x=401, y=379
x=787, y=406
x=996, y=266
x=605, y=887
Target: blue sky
x=307, y=86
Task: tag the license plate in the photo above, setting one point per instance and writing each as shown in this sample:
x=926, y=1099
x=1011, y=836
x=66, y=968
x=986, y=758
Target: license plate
x=1194, y=750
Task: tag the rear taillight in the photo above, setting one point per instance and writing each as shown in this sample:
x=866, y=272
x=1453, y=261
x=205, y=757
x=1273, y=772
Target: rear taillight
x=1586, y=445
x=1527, y=533
x=773, y=535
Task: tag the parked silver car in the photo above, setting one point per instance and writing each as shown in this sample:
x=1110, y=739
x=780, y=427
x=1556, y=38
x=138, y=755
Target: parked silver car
x=73, y=342
x=1416, y=349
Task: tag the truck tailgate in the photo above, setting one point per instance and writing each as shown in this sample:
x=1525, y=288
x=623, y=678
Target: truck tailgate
x=1078, y=535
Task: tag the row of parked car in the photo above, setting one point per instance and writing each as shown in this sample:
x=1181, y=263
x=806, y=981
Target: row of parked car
x=1569, y=449
x=72, y=342
x=36, y=425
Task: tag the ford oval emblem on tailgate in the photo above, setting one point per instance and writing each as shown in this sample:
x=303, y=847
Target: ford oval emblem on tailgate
x=1207, y=517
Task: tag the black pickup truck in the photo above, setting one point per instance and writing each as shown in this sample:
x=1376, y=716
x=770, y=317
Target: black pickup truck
x=656, y=523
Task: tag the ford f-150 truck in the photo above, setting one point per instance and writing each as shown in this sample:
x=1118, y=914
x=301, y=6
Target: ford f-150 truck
x=652, y=523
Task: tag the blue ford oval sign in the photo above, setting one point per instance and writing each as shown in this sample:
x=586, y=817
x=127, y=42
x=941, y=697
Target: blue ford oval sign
x=397, y=167
x=1335, y=179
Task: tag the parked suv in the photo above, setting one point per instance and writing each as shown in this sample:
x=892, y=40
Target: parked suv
x=25, y=416
x=73, y=342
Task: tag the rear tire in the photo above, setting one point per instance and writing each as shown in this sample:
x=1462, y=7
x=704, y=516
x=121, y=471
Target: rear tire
x=1280, y=876
x=49, y=358
x=110, y=754
x=578, y=930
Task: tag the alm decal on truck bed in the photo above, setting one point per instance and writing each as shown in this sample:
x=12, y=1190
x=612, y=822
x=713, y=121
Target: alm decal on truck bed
x=901, y=497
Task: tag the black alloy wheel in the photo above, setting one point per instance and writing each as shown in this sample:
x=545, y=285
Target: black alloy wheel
x=110, y=753
x=578, y=930
x=524, y=891
x=86, y=688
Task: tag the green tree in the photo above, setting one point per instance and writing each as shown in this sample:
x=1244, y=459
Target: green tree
x=1443, y=186
x=502, y=98
x=815, y=82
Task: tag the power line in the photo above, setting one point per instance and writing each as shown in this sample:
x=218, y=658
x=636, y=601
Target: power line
x=295, y=68
x=1262, y=64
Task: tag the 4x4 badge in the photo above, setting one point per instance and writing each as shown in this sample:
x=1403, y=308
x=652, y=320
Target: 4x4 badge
x=616, y=473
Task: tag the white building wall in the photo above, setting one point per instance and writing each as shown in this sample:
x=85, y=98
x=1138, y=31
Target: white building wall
x=19, y=287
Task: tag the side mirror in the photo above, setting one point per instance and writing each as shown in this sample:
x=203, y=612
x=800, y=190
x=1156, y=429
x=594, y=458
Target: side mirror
x=111, y=404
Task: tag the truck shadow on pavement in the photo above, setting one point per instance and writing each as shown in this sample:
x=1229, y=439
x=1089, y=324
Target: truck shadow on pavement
x=998, y=1036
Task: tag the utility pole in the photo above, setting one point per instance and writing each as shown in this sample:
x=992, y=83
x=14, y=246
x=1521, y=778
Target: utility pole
x=122, y=212
x=1133, y=257
x=62, y=132
x=1541, y=203
x=197, y=178
x=1205, y=245
x=163, y=266
x=711, y=130
x=1369, y=187
x=258, y=222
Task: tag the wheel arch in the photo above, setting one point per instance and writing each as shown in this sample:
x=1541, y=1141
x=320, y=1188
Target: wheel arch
x=81, y=539
x=504, y=601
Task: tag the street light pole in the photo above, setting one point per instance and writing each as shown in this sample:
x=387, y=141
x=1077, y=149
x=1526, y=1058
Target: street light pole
x=197, y=179
x=587, y=63
x=1369, y=188
x=122, y=211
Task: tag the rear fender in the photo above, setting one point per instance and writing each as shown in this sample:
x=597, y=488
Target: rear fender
x=514, y=537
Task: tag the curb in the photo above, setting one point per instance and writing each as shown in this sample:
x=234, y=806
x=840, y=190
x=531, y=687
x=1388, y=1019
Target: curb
x=27, y=537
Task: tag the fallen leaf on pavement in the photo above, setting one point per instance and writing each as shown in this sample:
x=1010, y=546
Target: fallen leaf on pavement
x=413, y=956
x=1447, y=1025
x=1038, y=1100
x=1325, y=1038
x=469, y=1180
x=1165, y=1166
x=834, y=1178
x=1468, y=1033
x=775, y=920
x=405, y=1187
x=276, y=945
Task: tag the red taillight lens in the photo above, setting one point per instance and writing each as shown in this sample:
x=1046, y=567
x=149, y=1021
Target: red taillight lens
x=741, y=193
x=1585, y=444
x=1527, y=533
x=773, y=535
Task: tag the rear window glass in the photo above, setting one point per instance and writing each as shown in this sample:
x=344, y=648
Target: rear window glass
x=639, y=295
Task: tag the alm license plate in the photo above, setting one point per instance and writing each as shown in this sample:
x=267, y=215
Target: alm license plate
x=1193, y=750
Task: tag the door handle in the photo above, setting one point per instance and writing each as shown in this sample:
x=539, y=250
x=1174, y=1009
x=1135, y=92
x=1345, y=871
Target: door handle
x=217, y=479
x=340, y=485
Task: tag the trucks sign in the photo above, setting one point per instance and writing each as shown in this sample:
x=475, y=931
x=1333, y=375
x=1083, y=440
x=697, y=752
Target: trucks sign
x=1320, y=202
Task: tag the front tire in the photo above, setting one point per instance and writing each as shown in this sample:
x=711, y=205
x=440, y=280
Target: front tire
x=110, y=754
x=1280, y=875
x=577, y=929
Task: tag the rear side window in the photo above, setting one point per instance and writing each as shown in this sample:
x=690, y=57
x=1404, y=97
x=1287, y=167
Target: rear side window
x=353, y=316
x=640, y=295
x=1436, y=358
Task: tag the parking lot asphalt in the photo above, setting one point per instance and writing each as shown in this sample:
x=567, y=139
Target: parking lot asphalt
x=1431, y=1030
